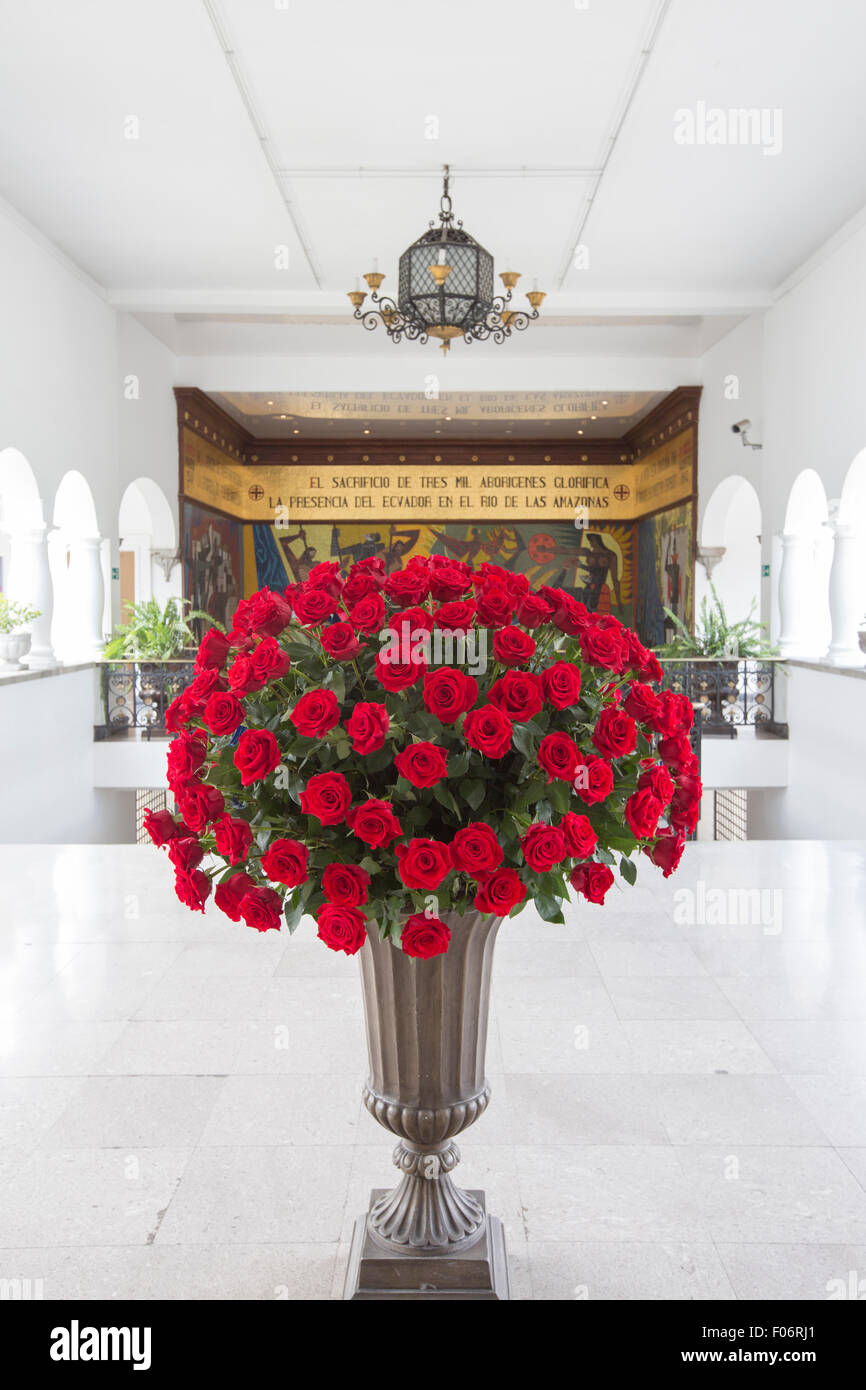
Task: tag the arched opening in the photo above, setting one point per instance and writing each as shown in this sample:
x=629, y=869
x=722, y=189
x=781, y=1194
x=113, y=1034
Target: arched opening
x=730, y=550
x=848, y=573
x=807, y=554
x=24, y=577
x=76, y=561
x=148, y=545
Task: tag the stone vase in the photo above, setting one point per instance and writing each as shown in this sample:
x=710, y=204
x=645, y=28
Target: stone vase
x=426, y=1036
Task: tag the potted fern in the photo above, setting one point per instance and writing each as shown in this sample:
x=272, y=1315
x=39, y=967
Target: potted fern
x=719, y=645
x=156, y=634
x=13, y=642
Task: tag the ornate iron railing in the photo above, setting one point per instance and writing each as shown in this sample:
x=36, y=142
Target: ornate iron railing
x=136, y=694
x=728, y=695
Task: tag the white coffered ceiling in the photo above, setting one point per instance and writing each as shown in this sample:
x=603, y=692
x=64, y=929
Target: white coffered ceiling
x=321, y=128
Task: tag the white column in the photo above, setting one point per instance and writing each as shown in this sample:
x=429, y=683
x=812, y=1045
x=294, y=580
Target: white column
x=847, y=595
x=86, y=598
x=30, y=584
x=796, y=601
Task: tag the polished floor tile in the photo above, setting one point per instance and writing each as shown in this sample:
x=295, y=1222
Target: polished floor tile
x=677, y=1093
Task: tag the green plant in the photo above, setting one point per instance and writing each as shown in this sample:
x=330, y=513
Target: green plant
x=15, y=615
x=715, y=636
x=155, y=634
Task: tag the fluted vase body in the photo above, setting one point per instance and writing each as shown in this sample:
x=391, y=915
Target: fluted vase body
x=427, y=1037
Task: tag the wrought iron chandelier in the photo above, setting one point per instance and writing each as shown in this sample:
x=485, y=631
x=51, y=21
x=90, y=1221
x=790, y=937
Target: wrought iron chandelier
x=445, y=289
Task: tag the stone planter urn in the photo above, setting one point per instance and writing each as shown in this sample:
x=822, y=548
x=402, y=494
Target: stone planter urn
x=426, y=1036
x=13, y=645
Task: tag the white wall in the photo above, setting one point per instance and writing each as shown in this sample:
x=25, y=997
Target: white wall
x=47, y=794
x=826, y=714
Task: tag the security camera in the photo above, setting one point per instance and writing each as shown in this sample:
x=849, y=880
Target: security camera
x=741, y=428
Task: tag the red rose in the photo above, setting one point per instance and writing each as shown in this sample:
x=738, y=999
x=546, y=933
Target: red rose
x=580, y=838
x=285, y=861
x=532, y=610
x=192, y=889
x=512, y=646
x=268, y=662
x=499, y=892
x=185, y=755
x=685, y=808
x=223, y=713
x=593, y=780
x=242, y=678
x=560, y=757
x=675, y=750
x=423, y=863
x=397, y=675
x=448, y=693
x=488, y=730
x=374, y=822
x=356, y=587
x=326, y=575
x=368, y=614
x=257, y=754
x=544, y=846
x=410, y=623
x=367, y=726
x=592, y=880
x=494, y=605
x=561, y=684
x=233, y=838
x=674, y=714
x=185, y=853
x=657, y=780
x=422, y=764
x=340, y=642
x=410, y=585
x=667, y=851
x=316, y=713
x=424, y=936
x=313, y=606
x=262, y=909
x=177, y=714
x=642, y=811
x=345, y=885
x=602, y=647
x=200, y=804
x=161, y=826
x=488, y=573
x=342, y=928
x=456, y=617
x=230, y=892
x=448, y=578
x=475, y=850
x=213, y=650
x=641, y=703
x=372, y=567
x=615, y=733
x=267, y=613
x=197, y=694
x=644, y=663
x=517, y=694
x=327, y=796
x=566, y=613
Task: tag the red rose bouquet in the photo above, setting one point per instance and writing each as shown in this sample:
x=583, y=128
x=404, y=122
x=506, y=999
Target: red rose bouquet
x=390, y=748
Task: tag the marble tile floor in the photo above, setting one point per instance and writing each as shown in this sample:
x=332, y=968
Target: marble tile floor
x=679, y=1087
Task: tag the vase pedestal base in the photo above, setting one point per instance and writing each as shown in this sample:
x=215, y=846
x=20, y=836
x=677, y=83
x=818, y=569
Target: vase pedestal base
x=377, y=1272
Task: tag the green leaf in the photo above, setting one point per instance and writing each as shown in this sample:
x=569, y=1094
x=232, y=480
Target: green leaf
x=370, y=864
x=293, y=910
x=549, y=909
x=337, y=682
x=473, y=792
x=458, y=763
x=342, y=749
x=444, y=797
x=628, y=869
x=559, y=796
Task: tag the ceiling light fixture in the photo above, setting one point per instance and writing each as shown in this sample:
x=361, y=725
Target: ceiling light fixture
x=445, y=289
